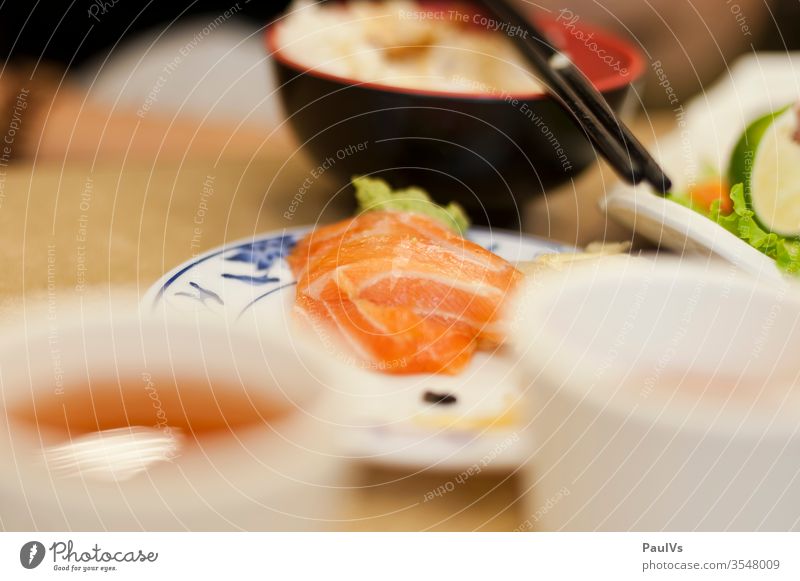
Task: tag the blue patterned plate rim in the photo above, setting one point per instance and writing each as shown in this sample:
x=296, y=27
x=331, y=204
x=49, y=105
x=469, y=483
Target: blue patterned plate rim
x=156, y=292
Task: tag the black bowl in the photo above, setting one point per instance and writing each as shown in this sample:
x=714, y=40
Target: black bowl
x=487, y=152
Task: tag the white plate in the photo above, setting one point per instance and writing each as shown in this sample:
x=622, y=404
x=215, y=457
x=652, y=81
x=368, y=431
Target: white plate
x=480, y=429
x=708, y=128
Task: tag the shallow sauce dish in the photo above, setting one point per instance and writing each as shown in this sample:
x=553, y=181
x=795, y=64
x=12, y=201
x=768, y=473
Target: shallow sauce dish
x=125, y=383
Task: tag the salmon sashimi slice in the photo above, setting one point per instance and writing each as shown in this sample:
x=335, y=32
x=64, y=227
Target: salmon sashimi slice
x=402, y=291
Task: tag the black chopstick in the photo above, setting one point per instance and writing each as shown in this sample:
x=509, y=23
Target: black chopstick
x=587, y=106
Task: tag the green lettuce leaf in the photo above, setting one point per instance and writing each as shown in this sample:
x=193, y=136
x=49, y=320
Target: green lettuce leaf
x=375, y=194
x=741, y=222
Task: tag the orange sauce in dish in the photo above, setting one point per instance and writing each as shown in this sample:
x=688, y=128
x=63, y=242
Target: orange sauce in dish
x=194, y=406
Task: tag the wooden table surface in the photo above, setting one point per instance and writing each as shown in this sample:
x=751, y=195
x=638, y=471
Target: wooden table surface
x=74, y=227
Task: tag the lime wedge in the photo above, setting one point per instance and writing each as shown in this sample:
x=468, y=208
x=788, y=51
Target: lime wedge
x=766, y=160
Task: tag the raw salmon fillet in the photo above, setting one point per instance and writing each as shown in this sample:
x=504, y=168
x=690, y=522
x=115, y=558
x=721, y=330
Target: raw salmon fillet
x=401, y=291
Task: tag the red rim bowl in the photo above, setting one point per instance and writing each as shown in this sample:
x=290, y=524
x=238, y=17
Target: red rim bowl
x=587, y=46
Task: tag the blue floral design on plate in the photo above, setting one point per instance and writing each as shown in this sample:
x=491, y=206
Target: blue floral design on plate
x=200, y=294
x=262, y=254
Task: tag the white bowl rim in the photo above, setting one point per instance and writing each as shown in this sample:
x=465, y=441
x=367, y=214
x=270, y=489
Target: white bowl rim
x=546, y=345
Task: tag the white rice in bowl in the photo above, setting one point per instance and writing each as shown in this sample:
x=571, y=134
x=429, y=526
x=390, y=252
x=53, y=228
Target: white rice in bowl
x=406, y=45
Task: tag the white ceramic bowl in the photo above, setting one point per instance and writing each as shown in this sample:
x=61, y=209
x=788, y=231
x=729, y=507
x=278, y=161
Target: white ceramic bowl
x=663, y=396
x=281, y=475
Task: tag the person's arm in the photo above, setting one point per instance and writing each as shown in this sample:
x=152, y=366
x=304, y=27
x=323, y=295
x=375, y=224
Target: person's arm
x=73, y=129
x=49, y=121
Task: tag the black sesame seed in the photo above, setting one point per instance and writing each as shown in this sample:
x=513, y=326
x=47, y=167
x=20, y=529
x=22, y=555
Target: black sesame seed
x=439, y=398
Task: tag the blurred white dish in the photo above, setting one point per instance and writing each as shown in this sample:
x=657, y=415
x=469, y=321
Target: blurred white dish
x=663, y=396
x=278, y=473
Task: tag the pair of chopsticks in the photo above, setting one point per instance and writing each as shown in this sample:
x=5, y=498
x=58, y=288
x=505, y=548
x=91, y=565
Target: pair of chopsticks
x=585, y=104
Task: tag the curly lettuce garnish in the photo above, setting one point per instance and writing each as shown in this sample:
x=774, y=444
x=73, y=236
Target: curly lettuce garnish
x=375, y=194
x=741, y=222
